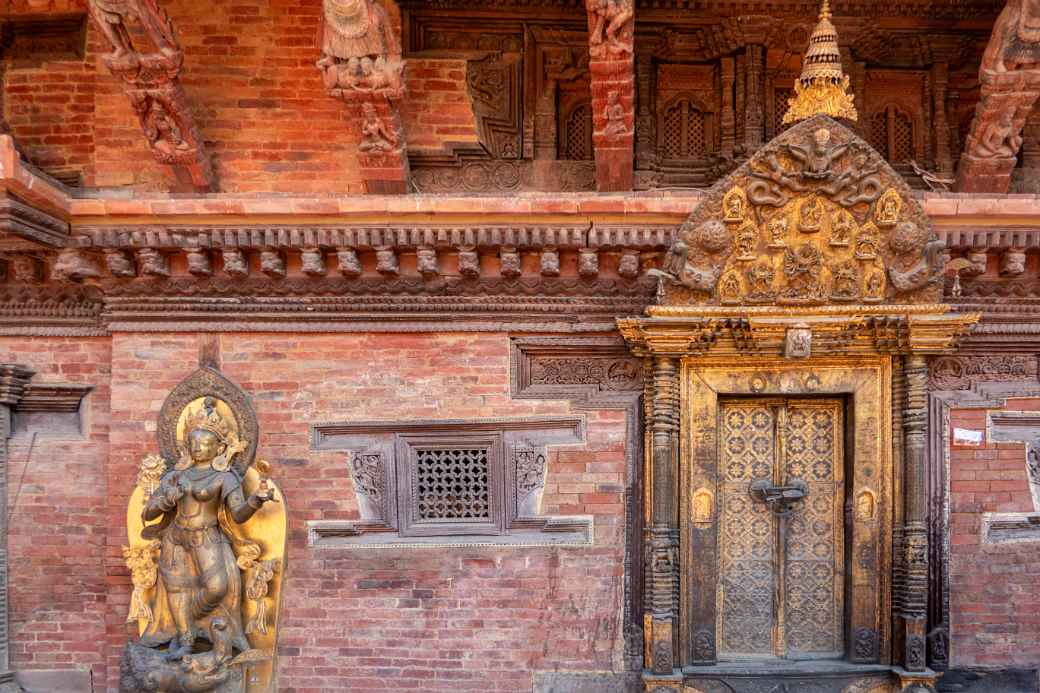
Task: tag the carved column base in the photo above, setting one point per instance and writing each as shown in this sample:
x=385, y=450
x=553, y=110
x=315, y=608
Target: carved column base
x=658, y=684
x=613, y=122
x=916, y=681
x=978, y=175
x=658, y=636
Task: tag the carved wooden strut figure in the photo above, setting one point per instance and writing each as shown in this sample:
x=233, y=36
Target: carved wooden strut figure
x=151, y=81
x=361, y=64
x=610, y=20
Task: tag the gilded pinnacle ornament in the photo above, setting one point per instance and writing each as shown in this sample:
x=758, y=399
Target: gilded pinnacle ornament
x=823, y=87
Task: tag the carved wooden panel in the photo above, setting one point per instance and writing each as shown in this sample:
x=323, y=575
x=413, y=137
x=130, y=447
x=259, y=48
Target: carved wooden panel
x=747, y=542
x=814, y=575
x=781, y=578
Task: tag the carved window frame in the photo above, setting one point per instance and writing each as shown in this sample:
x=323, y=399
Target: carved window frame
x=707, y=112
x=381, y=459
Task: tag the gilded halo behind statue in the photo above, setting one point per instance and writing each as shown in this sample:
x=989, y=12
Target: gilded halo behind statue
x=206, y=551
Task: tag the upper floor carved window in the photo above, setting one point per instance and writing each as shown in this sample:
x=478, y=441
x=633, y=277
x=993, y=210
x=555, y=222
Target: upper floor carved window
x=892, y=134
x=576, y=138
x=685, y=133
x=780, y=105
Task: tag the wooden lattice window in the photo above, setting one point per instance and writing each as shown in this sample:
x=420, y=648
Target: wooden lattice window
x=576, y=138
x=421, y=481
x=450, y=484
x=892, y=134
x=781, y=97
x=685, y=131
x=902, y=137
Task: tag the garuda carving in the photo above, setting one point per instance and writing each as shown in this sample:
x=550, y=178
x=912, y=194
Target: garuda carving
x=151, y=80
x=816, y=216
x=206, y=549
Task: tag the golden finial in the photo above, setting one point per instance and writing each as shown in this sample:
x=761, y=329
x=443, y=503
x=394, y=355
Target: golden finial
x=823, y=86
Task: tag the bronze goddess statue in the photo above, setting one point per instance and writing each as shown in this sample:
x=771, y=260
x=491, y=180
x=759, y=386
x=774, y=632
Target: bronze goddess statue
x=215, y=524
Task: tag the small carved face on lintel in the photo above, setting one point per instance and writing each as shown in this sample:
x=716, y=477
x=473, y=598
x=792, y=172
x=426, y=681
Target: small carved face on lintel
x=798, y=342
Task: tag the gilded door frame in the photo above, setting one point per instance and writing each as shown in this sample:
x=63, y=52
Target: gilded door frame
x=867, y=380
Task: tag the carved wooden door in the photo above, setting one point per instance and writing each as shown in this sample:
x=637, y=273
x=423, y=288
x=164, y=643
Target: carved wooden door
x=781, y=572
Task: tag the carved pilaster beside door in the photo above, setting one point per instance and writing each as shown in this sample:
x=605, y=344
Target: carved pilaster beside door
x=662, y=536
x=13, y=380
x=912, y=596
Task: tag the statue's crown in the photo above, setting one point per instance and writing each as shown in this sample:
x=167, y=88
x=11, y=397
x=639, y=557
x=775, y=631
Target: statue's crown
x=208, y=418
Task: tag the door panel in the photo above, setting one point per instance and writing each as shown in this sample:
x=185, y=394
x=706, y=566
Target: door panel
x=781, y=579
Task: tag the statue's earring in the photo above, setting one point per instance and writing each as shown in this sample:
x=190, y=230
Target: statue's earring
x=220, y=463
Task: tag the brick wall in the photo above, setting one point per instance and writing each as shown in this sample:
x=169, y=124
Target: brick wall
x=49, y=104
x=438, y=112
x=57, y=520
x=994, y=601
x=432, y=619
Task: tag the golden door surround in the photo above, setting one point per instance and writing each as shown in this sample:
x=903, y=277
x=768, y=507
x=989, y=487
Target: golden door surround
x=865, y=381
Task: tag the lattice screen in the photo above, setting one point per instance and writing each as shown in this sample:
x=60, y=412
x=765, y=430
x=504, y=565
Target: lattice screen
x=685, y=134
x=577, y=144
x=780, y=99
x=453, y=484
x=695, y=138
x=902, y=137
x=673, y=127
x=879, y=132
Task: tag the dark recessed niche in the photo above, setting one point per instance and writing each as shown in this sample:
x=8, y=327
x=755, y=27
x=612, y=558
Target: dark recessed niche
x=31, y=40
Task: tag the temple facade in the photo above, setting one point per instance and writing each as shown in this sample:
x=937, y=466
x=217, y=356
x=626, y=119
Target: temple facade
x=548, y=346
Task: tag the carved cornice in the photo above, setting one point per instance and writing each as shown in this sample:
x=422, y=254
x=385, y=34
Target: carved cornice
x=27, y=223
x=13, y=381
x=966, y=9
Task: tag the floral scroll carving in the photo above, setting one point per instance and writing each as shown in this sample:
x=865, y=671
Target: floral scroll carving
x=151, y=80
x=815, y=217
